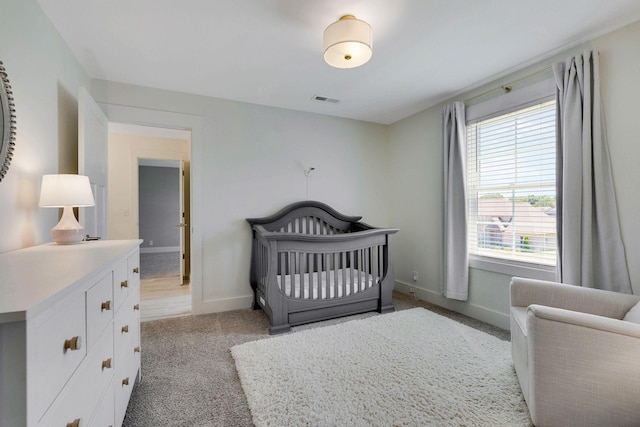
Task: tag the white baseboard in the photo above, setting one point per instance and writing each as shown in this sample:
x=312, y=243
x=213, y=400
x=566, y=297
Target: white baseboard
x=158, y=249
x=484, y=314
x=222, y=304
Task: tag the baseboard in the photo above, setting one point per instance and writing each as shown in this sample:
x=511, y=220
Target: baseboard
x=222, y=304
x=483, y=314
x=159, y=249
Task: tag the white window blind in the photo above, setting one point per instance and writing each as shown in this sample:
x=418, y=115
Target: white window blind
x=511, y=185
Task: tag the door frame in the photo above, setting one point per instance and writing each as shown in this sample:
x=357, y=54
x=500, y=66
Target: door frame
x=166, y=119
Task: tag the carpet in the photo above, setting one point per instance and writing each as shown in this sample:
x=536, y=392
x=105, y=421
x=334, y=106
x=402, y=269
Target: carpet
x=159, y=264
x=408, y=368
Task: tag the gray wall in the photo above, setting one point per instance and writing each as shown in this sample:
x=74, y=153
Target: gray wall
x=159, y=212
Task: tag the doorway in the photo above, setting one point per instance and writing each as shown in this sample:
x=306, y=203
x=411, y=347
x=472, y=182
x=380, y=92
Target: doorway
x=150, y=201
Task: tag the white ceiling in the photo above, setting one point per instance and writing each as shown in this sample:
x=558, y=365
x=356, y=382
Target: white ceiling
x=269, y=52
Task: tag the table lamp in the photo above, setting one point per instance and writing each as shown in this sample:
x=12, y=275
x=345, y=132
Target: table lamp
x=66, y=191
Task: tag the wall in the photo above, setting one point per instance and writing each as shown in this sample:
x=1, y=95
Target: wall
x=416, y=165
x=251, y=163
x=45, y=78
x=159, y=208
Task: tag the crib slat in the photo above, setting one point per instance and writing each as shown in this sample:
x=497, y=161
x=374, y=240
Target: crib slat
x=352, y=256
x=367, y=253
x=335, y=275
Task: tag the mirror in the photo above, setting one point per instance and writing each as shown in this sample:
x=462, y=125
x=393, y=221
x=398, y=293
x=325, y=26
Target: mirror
x=7, y=123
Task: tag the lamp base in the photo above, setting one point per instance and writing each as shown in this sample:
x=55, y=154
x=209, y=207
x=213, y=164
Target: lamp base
x=68, y=230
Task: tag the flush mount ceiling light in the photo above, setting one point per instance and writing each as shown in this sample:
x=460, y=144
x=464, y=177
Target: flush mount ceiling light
x=347, y=43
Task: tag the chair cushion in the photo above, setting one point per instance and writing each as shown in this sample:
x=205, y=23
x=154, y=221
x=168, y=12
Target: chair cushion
x=633, y=315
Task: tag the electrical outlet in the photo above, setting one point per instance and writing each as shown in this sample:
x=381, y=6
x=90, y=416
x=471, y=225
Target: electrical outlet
x=150, y=242
x=412, y=290
x=415, y=276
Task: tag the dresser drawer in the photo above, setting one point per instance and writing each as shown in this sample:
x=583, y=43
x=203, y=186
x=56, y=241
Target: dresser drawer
x=60, y=346
x=124, y=330
x=123, y=382
x=120, y=284
x=87, y=386
x=100, y=308
x=133, y=273
x=105, y=414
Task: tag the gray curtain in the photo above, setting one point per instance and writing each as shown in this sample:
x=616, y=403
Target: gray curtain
x=456, y=258
x=590, y=248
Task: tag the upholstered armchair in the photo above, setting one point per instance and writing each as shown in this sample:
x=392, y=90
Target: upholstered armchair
x=577, y=360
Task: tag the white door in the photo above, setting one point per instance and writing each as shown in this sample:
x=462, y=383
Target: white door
x=182, y=224
x=93, y=134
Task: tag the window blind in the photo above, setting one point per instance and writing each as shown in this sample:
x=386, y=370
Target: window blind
x=511, y=185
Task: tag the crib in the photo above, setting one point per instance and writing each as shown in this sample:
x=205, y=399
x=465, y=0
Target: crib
x=311, y=263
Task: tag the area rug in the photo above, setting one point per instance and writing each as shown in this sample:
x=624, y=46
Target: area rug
x=409, y=368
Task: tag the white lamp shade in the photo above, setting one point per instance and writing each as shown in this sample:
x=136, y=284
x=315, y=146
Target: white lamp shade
x=58, y=191
x=347, y=43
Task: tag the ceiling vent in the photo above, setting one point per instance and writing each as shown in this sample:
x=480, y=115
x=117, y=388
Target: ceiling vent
x=325, y=99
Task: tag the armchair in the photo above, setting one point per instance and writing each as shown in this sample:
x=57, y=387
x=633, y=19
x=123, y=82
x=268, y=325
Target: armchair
x=577, y=361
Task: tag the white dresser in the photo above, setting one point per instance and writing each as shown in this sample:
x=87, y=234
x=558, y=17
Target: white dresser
x=69, y=333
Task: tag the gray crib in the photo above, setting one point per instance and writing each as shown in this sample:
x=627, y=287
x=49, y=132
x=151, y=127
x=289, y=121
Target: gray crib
x=310, y=263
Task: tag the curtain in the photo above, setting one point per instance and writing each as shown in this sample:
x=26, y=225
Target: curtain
x=456, y=257
x=590, y=248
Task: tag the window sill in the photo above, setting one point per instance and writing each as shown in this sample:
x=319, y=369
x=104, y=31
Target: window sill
x=510, y=268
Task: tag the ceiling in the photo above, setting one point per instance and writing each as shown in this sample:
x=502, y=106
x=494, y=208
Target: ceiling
x=269, y=52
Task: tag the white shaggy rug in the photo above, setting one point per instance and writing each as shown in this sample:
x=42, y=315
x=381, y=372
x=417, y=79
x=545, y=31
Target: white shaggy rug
x=408, y=368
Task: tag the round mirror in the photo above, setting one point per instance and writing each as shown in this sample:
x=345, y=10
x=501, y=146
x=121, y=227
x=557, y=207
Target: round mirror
x=7, y=123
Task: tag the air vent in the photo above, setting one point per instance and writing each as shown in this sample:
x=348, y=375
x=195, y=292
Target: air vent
x=325, y=99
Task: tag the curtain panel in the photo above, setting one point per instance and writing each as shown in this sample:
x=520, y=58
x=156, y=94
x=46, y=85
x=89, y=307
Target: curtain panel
x=456, y=255
x=590, y=248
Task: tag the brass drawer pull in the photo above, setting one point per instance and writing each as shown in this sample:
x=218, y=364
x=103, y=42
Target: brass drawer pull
x=136, y=349
x=106, y=364
x=105, y=306
x=136, y=307
x=72, y=344
x=125, y=381
x=136, y=270
x=125, y=329
x=74, y=423
x=124, y=284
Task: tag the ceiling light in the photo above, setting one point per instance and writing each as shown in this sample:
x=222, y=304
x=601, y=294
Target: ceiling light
x=347, y=43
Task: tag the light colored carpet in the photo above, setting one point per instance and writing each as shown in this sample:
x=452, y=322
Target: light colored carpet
x=409, y=368
x=188, y=374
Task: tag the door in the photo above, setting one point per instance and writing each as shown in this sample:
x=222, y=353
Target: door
x=93, y=134
x=182, y=224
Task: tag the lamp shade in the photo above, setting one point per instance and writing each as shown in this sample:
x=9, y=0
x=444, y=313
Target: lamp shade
x=58, y=191
x=347, y=43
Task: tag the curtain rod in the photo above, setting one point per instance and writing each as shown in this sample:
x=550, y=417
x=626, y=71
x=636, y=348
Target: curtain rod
x=508, y=86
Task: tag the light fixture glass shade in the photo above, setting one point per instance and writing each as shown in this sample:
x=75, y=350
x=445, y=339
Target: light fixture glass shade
x=347, y=43
x=66, y=191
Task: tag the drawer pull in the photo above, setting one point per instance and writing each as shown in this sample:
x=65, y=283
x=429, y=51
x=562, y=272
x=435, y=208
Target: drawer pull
x=106, y=364
x=125, y=329
x=136, y=270
x=125, y=381
x=124, y=284
x=136, y=307
x=72, y=344
x=105, y=306
x=74, y=423
x=136, y=349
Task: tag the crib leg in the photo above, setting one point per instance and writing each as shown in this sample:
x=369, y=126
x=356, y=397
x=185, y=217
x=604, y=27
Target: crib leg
x=385, y=303
x=279, y=329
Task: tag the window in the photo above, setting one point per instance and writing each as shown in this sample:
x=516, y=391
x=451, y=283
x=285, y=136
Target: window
x=511, y=185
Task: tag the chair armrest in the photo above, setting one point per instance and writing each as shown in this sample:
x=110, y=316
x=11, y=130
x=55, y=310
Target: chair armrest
x=582, y=367
x=586, y=320
x=525, y=292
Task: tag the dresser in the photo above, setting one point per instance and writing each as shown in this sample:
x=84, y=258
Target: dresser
x=69, y=333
